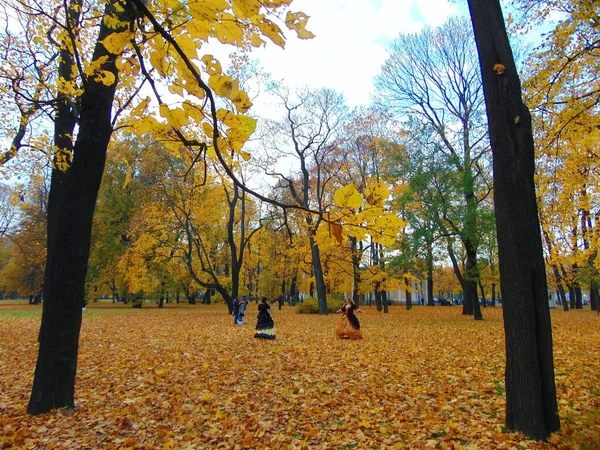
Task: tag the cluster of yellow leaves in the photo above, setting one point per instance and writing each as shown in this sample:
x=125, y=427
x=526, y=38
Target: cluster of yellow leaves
x=363, y=215
x=241, y=23
x=185, y=377
x=561, y=89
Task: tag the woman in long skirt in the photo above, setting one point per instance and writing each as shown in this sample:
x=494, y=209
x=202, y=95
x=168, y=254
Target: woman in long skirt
x=348, y=326
x=265, y=327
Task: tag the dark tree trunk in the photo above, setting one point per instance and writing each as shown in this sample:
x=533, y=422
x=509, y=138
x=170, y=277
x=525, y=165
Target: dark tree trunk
x=482, y=290
x=571, y=297
x=385, y=302
x=293, y=291
x=470, y=284
x=531, y=405
x=560, y=288
x=378, y=298
x=206, y=297
x=594, y=297
x=69, y=235
x=467, y=304
x=319, y=279
x=408, y=298
x=557, y=277
x=578, y=298
x=355, y=271
x=430, y=301
x=493, y=300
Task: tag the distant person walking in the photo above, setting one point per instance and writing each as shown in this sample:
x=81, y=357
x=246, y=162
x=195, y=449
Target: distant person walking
x=242, y=310
x=348, y=327
x=236, y=311
x=265, y=327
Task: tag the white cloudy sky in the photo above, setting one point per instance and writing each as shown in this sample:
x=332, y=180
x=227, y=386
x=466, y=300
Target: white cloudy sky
x=350, y=43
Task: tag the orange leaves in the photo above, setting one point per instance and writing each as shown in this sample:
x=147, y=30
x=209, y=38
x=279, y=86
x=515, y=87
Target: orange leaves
x=185, y=377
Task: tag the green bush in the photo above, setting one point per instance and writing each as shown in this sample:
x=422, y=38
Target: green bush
x=310, y=305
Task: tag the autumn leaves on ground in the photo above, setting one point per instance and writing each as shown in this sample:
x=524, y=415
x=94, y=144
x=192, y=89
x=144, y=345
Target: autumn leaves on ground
x=185, y=377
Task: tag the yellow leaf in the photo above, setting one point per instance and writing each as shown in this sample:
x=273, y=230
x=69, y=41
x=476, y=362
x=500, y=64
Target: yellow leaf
x=376, y=193
x=115, y=42
x=297, y=22
x=140, y=109
x=245, y=8
x=213, y=66
x=244, y=124
x=207, y=128
x=269, y=29
x=188, y=45
x=106, y=77
x=348, y=197
x=227, y=30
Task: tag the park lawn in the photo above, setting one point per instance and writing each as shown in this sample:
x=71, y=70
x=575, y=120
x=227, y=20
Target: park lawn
x=184, y=377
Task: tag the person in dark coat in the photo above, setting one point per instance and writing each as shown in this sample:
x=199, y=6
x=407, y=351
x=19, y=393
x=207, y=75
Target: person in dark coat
x=265, y=327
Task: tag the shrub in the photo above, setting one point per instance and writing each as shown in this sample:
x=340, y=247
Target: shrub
x=311, y=305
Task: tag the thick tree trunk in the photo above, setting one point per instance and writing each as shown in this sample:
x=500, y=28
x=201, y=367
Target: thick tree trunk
x=70, y=229
x=594, y=297
x=482, y=290
x=531, y=405
x=430, y=301
x=319, y=280
x=355, y=271
x=578, y=298
x=293, y=291
x=471, y=277
x=378, y=304
x=385, y=302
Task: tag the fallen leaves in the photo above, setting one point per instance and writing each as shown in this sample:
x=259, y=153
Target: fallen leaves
x=186, y=378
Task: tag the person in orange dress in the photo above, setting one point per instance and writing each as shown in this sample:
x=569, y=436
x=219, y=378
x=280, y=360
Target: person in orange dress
x=348, y=327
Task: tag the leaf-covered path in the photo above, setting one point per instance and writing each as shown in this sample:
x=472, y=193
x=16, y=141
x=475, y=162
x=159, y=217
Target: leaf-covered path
x=186, y=377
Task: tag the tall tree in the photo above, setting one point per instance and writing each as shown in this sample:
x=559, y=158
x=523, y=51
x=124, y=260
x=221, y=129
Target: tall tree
x=310, y=133
x=432, y=77
x=531, y=405
x=97, y=48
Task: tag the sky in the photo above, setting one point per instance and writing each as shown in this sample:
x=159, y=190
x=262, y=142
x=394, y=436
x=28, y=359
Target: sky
x=350, y=43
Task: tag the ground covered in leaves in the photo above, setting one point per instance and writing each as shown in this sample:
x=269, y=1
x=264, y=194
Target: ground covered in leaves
x=185, y=377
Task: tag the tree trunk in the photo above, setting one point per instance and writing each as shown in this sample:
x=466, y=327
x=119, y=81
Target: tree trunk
x=471, y=277
x=482, y=290
x=355, y=271
x=430, y=301
x=378, y=298
x=69, y=234
x=594, y=297
x=531, y=405
x=319, y=280
x=578, y=298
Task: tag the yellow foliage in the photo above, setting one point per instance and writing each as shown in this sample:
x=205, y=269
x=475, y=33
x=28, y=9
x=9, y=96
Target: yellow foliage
x=348, y=197
x=115, y=43
x=297, y=22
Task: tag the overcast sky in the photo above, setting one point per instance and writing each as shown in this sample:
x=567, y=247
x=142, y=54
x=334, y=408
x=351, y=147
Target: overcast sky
x=350, y=43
